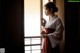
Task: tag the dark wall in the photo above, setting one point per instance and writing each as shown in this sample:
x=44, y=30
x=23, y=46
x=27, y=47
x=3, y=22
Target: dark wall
x=72, y=18
x=12, y=26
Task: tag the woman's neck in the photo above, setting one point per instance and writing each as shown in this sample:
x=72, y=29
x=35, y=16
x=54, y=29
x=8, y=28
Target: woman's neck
x=51, y=15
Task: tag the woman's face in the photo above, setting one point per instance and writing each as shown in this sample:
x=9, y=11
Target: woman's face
x=47, y=12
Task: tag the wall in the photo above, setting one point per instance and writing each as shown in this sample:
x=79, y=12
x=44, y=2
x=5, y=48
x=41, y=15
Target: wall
x=72, y=27
x=60, y=13
x=60, y=5
x=12, y=26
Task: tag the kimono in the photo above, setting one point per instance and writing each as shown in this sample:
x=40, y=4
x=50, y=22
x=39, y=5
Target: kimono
x=52, y=40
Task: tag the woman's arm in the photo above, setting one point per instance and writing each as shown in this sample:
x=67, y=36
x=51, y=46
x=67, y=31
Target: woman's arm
x=58, y=33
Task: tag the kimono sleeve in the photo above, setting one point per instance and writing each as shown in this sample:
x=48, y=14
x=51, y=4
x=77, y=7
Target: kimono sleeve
x=58, y=33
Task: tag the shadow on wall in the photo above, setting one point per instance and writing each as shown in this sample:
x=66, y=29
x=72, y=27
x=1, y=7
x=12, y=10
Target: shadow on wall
x=12, y=36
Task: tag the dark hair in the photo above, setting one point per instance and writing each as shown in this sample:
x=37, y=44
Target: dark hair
x=51, y=6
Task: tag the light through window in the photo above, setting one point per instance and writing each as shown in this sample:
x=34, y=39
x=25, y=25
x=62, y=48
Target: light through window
x=33, y=12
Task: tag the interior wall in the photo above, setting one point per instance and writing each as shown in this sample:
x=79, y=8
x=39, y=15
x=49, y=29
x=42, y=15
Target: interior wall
x=60, y=13
x=12, y=26
x=60, y=5
x=72, y=27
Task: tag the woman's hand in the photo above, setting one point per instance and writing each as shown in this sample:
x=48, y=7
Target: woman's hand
x=43, y=35
x=43, y=32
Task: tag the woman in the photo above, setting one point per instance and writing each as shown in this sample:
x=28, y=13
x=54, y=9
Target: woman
x=52, y=40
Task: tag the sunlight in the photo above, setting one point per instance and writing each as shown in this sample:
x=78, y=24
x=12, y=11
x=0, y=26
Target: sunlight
x=32, y=24
x=32, y=18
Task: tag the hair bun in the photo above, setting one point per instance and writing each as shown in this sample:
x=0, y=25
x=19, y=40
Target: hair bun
x=51, y=6
x=55, y=9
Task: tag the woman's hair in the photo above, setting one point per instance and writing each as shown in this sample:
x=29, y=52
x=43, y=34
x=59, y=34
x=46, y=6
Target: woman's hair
x=51, y=6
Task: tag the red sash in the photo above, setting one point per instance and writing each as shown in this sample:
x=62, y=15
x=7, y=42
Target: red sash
x=47, y=44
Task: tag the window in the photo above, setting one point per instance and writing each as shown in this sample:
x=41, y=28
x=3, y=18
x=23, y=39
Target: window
x=33, y=12
x=32, y=45
x=32, y=18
